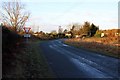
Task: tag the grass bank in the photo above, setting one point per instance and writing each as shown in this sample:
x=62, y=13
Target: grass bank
x=28, y=62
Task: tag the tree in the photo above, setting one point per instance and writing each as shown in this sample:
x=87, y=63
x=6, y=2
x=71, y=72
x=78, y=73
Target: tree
x=93, y=29
x=53, y=34
x=72, y=31
x=98, y=33
x=77, y=26
x=14, y=15
x=86, y=28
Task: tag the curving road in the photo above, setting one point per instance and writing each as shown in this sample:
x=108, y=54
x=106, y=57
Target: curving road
x=70, y=62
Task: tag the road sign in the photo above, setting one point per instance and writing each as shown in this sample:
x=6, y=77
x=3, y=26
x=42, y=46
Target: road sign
x=27, y=29
x=27, y=35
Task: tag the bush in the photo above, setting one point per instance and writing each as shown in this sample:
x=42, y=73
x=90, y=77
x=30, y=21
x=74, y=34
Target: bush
x=98, y=34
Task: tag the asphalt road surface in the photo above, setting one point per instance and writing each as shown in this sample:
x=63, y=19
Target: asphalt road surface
x=70, y=62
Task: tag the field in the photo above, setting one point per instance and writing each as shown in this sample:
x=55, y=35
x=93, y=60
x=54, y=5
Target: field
x=108, y=45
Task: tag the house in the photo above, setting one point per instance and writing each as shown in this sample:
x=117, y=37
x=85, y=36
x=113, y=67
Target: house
x=102, y=34
x=35, y=34
x=68, y=35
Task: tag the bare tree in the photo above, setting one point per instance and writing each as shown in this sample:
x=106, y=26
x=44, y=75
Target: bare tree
x=14, y=14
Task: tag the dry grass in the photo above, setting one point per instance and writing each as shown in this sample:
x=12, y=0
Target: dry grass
x=108, y=46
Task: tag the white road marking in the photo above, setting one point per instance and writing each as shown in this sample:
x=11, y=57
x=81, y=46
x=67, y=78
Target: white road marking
x=65, y=45
x=50, y=46
x=86, y=60
x=101, y=55
x=55, y=48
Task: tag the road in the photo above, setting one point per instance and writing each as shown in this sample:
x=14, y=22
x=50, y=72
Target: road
x=70, y=62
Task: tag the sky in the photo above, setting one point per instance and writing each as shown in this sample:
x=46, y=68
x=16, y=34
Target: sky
x=48, y=15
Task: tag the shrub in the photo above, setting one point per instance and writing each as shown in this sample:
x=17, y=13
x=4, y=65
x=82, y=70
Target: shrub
x=98, y=33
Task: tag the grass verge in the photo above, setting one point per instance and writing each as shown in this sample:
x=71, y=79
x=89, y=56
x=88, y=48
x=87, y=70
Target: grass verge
x=37, y=67
x=104, y=49
x=29, y=62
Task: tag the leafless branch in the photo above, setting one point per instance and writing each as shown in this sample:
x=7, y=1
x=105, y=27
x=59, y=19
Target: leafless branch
x=13, y=16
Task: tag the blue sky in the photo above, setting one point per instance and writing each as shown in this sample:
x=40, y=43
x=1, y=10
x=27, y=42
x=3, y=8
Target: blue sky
x=48, y=15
